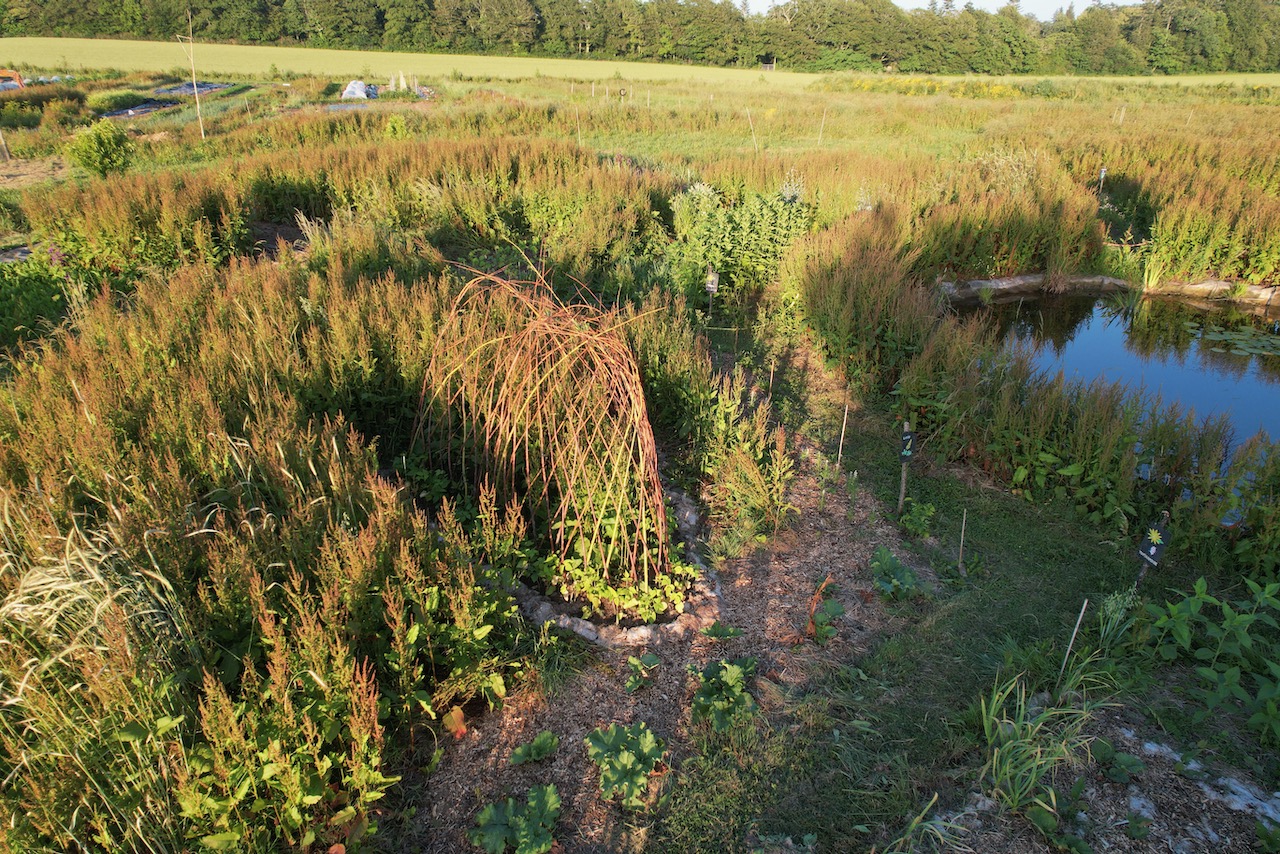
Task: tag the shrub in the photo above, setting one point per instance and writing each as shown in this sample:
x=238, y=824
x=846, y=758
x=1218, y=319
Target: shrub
x=31, y=301
x=102, y=148
x=544, y=402
x=396, y=127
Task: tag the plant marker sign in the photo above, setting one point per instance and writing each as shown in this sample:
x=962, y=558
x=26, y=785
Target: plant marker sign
x=1154, y=541
x=908, y=449
x=713, y=280
x=908, y=443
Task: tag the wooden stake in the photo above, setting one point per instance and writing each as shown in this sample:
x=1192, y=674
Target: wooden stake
x=823, y=125
x=902, y=488
x=578, y=116
x=840, y=451
x=189, y=45
x=753, y=131
x=4, y=147
x=1074, y=632
x=960, y=563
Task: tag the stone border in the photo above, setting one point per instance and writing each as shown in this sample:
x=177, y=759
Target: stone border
x=1016, y=286
x=701, y=606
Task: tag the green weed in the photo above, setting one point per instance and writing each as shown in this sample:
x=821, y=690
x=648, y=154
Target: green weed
x=917, y=518
x=823, y=612
x=626, y=757
x=543, y=745
x=893, y=578
x=1232, y=646
x=722, y=698
x=719, y=631
x=1118, y=766
x=641, y=669
x=526, y=828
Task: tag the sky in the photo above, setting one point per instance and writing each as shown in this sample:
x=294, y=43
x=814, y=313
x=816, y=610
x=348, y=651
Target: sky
x=1040, y=9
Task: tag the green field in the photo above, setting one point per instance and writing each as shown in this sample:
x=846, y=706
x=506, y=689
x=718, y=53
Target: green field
x=72, y=55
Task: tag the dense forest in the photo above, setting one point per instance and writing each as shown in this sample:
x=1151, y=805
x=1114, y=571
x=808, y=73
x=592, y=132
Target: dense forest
x=1157, y=36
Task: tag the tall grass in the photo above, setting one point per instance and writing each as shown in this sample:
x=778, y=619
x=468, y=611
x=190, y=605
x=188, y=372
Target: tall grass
x=93, y=642
x=206, y=432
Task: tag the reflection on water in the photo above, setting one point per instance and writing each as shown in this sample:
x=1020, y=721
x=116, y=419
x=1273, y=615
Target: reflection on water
x=1214, y=361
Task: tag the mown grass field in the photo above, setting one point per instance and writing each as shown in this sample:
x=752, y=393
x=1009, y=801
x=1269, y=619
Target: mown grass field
x=72, y=55
x=68, y=54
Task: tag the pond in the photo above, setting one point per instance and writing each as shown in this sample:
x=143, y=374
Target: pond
x=1213, y=360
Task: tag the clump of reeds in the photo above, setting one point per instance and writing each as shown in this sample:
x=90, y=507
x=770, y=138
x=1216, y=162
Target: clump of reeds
x=544, y=401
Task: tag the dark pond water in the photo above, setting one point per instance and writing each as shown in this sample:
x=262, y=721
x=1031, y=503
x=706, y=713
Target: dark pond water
x=1214, y=361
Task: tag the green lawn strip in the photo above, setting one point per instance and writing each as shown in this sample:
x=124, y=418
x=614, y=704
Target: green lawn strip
x=1039, y=563
x=866, y=744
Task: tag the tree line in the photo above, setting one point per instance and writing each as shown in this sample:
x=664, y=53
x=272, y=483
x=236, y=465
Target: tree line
x=1156, y=36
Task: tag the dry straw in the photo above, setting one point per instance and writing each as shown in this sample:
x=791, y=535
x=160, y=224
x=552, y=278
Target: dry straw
x=544, y=402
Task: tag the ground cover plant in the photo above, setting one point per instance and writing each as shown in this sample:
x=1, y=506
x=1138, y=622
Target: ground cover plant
x=295, y=416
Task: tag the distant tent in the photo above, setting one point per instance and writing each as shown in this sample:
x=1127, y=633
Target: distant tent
x=357, y=91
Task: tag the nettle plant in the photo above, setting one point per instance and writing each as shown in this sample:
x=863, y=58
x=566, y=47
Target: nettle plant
x=626, y=756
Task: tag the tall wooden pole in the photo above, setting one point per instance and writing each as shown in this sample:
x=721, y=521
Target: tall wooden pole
x=189, y=45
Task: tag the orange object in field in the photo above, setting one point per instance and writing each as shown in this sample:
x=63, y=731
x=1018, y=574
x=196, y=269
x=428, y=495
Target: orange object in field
x=10, y=74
